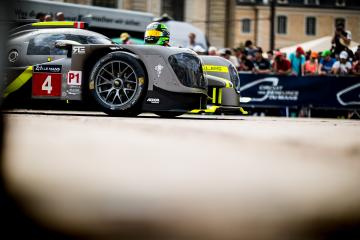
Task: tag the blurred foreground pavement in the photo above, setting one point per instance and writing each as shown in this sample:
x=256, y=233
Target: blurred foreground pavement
x=96, y=177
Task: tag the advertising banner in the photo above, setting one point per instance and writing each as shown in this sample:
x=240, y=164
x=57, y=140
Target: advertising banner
x=313, y=91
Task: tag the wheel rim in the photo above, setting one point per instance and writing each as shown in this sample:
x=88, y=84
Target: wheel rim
x=116, y=83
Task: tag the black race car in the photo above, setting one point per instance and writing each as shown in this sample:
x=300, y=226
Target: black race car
x=63, y=61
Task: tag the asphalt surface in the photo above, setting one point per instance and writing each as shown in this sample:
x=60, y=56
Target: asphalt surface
x=193, y=177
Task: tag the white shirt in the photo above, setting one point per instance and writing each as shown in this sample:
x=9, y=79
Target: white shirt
x=344, y=67
x=349, y=35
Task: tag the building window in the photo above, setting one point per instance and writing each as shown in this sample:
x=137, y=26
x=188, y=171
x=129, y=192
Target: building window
x=311, y=2
x=246, y=25
x=340, y=3
x=105, y=3
x=282, y=1
x=340, y=21
x=174, y=8
x=281, y=24
x=311, y=26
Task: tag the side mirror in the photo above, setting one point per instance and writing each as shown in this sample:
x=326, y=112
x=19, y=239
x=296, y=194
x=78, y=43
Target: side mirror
x=66, y=45
x=214, y=81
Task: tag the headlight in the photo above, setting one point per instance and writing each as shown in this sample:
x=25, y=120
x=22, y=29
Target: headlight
x=234, y=77
x=188, y=70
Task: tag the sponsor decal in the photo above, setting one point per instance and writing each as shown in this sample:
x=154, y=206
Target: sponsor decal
x=269, y=89
x=74, y=78
x=158, y=69
x=213, y=68
x=153, y=100
x=73, y=91
x=13, y=56
x=78, y=50
x=47, y=68
x=355, y=90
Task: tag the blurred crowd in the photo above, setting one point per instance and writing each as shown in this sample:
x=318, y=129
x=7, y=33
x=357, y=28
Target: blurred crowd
x=339, y=60
x=299, y=63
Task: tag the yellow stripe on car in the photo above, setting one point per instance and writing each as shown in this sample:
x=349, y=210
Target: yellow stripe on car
x=214, y=96
x=211, y=109
x=220, y=96
x=196, y=111
x=214, y=68
x=228, y=83
x=48, y=24
x=19, y=81
x=243, y=111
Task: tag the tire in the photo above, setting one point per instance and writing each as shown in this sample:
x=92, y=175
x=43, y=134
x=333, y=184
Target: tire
x=118, y=84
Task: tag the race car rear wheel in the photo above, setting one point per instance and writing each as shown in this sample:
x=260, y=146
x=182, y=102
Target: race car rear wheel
x=118, y=83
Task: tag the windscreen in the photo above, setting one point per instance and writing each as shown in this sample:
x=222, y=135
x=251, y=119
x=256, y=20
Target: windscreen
x=188, y=69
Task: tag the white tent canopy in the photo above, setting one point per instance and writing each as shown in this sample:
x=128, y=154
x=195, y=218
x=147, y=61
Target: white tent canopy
x=318, y=45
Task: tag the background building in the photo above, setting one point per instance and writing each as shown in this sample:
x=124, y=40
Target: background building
x=231, y=22
x=296, y=21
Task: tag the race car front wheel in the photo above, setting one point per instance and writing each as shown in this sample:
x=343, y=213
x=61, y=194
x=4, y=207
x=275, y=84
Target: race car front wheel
x=118, y=83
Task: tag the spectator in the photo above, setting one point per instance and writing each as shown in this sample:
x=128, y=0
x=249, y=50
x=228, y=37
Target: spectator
x=326, y=63
x=125, y=38
x=213, y=51
x=281, y=65
x=342, y=66
x=59, y=16
x=245, y=64
x=239, y=52
x=341, y=39
x=270, y=57
x=261, y=65
x=312, y=65
x=48, y=18
x=297, y=61
x=356, y=68
x=357, y=54
x=250, y=49
x=40, y=16
x=226, y=53
x=356, y=64
x=192, y=41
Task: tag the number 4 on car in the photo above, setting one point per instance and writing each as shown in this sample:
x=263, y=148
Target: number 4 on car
x=46, y=85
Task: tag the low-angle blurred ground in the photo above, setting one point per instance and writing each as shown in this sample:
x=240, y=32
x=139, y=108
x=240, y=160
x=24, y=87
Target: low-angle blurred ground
x=194, y=177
